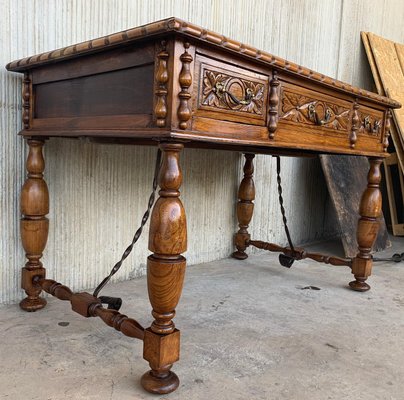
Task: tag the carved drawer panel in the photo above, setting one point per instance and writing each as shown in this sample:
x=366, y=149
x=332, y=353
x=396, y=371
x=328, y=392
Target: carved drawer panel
x=312, y=118
x=312, y=109
x=230, y=93
x=370, y=122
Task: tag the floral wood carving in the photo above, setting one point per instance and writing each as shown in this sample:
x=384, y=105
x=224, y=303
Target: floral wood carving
x=232, y=93
x=370, y=124
x=306, y=110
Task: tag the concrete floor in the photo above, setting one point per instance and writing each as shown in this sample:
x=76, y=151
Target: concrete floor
x=249, y=331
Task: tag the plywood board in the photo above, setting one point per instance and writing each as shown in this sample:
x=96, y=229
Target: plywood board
x=396, y=137
x=397, y=228
x=391, y=75
x=346, y=178
x=372, y=63
x=398, y=141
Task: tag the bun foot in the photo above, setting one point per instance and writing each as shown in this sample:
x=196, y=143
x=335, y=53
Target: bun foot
x=160, y=382
x=359, y=286
x=240, y=255
x=33, y=304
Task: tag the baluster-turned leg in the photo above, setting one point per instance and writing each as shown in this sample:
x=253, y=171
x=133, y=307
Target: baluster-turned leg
x=245, y=208
x=165, y=275
x=34, y=225
x=368, y=226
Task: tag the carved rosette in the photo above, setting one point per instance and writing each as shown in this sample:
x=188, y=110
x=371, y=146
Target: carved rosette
x=273, y=105
x=387, y=131
x=355, y=125
x=26, y=94
x=228, y=92
x=306, y=110
x=160, y=109
x=185, y=80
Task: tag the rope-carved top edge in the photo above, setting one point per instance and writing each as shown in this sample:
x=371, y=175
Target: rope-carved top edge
x=176, y=25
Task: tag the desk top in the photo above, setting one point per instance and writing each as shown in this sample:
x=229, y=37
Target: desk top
x=172, y=79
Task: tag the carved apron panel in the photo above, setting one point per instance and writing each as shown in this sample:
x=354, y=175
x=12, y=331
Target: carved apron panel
x=231, y=93
x=296, y=107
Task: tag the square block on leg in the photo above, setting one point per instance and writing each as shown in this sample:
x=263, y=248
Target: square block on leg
x=362, y=267
x=29, y=274
x=241, y=240
x=81, y=303
x=161, y=350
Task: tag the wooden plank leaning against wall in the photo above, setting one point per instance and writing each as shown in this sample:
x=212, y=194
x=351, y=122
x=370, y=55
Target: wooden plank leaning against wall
x=386, y=60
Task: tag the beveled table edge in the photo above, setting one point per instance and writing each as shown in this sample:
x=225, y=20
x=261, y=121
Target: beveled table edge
x=174, y=24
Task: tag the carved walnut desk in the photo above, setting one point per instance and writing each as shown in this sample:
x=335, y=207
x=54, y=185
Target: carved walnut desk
x=173, y=84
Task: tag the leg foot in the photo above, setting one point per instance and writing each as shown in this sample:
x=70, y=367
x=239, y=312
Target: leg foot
x=359, y=285
x=240, y=255
x=33, y=304
x=160, y=382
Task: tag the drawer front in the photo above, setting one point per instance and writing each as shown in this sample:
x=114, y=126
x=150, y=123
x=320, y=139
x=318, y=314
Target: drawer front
x=371, y=122
x=238, y=104
x=230, y=93
x=319, y=120
x=306, y=108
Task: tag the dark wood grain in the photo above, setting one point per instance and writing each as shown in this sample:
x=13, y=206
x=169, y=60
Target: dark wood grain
x=92, y=64
x=126, y=91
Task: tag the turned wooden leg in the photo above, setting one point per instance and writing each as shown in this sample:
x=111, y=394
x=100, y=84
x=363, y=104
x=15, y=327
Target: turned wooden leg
x=245, y=208
x=368, y=226
x=34, y=204
x=165, y=275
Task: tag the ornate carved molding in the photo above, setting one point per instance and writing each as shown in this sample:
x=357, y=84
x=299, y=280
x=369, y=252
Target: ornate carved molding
x=26, y=94
x=355, y=125
x=220, y=90
x=273, y=105
x=160, y=109
x=185, y=79
x=303, y=109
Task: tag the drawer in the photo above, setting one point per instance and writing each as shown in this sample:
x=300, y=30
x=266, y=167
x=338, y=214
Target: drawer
x=319, y=120
x=371, y=122
x=310, y=109
x=230, y=93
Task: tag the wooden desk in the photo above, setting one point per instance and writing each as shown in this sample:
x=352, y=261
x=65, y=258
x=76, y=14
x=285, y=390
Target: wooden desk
x=175, y=84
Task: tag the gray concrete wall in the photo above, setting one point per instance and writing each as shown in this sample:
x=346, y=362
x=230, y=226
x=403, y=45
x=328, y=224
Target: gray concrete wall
x=98, y=193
